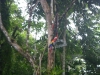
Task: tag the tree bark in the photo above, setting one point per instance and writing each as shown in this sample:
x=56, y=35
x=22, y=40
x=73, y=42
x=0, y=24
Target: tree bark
x=40, y=64
x=52, y=13
x=47, y=12
x=64, y=50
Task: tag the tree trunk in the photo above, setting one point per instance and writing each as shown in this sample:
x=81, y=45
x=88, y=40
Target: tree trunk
x=47, y=11
x=40, y=64
x=64, y=50
x=29, y=6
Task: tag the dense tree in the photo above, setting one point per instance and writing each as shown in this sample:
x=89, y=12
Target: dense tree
x=85, y=15
x=5, y=54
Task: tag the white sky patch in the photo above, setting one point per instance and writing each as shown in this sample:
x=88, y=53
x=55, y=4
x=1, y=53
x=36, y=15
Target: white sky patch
x=39, y=34
x=23, y=5
x=72, y=25
x=71, y=21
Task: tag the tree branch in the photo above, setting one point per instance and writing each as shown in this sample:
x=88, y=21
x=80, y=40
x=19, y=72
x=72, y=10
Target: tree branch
x=33, y=7
x=15, y=45
x=67, y=9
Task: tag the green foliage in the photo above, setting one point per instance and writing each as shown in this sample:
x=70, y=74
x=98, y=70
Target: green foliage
x=88, y=25
x=20, y=65
x=5, y=48
x=11, y=62
x=86, y=19
x=56, y=70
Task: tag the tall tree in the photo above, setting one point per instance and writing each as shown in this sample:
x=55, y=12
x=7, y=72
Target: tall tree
x=47, y=11
x=71, y=39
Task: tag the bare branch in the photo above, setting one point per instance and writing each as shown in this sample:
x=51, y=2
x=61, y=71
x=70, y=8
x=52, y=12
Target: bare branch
x=32, y=7
x=67, y=9
x=35, y=5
